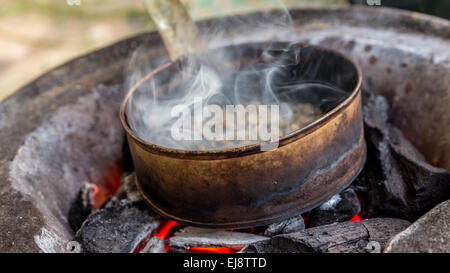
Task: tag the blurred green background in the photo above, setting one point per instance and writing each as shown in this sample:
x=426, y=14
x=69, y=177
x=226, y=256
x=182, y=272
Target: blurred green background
x=36, y=35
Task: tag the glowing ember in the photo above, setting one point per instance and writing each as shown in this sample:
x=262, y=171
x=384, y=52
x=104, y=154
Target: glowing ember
x=108, y=185
x=111, y=184
x=165, y=228
x=165, y=231
x=305, y=219
x=356, y=218
x=213, y=250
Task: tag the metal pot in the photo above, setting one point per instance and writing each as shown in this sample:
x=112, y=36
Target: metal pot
x=245, y=186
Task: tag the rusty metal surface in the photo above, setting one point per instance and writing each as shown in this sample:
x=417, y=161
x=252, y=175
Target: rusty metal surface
x=399, y=52
x=243, y=187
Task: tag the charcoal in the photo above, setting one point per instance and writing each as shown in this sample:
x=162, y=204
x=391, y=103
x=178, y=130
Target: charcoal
x=117, y=228
x=112, y=201
x=155, y=245
x=287, y=226
x=429, y=234
x=127, y=161
x=347, y=237
x=179, y=250
x=128, y=189
x=339, y=208
x=396, y=180
x=199, y=237
x=258, y=247
x=428, y=185
x=82, y=206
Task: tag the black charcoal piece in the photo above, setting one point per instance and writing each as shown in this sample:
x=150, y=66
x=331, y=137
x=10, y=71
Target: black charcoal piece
x=429, y=234
x=117, y=229
x=112, y=201
x=199, y=237
x=258, y=247
x=82, y=206
x=287, y=226
x=396, y=180
x=128, y=189
x=179, y=250
x=347, y=237
x=339, y=208
x=155, y=245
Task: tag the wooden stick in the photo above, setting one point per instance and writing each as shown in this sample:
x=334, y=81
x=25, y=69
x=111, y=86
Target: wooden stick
x=178, y=31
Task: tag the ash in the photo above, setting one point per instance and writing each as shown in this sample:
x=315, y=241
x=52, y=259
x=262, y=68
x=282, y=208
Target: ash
x=330, y=204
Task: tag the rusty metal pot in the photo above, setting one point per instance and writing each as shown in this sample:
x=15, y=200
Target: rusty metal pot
x=245, y=186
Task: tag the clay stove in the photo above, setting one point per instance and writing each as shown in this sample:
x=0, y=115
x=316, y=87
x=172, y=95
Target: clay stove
x=61, y=134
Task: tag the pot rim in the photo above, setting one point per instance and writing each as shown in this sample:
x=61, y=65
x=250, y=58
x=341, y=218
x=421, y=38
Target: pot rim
x=247, y=149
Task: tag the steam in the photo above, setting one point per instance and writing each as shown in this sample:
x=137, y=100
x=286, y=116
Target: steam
x=221, y=78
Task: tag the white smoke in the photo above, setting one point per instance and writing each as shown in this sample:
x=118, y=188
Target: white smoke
x=219, y=78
